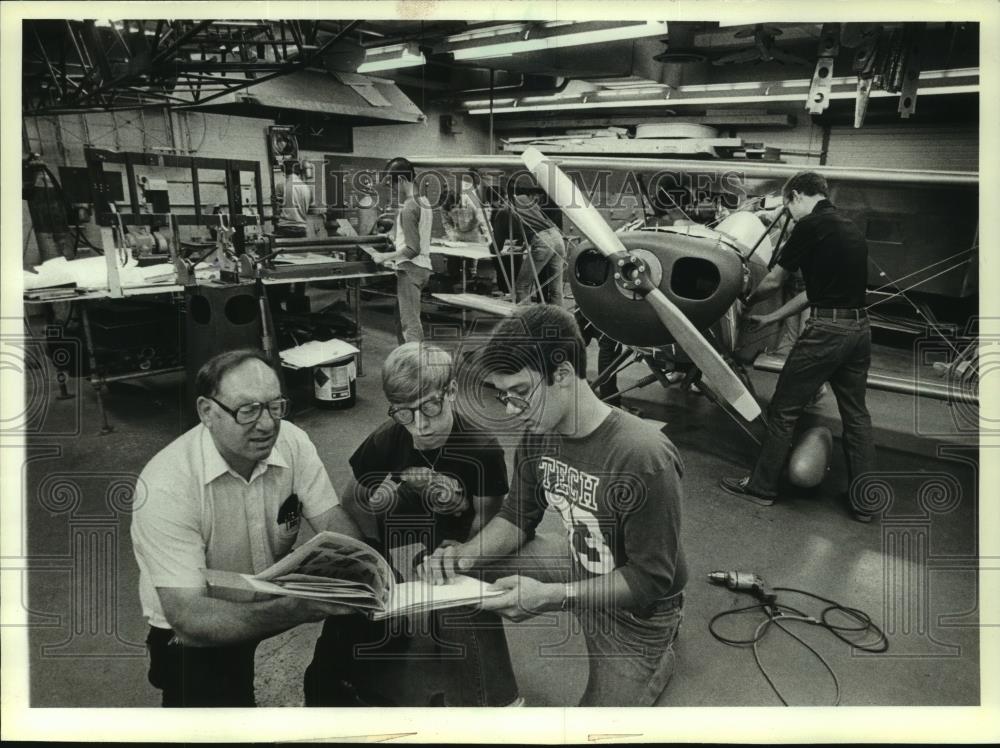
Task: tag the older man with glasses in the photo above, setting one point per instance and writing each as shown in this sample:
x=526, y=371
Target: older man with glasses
x=228, y=494
x=427, y=475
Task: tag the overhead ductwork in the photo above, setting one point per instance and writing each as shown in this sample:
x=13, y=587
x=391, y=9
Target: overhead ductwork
x=350, y=98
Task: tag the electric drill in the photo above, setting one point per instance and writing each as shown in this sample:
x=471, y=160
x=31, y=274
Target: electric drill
x=744, y=581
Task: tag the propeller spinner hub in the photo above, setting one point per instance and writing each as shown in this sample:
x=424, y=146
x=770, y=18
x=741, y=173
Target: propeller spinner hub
x=638, y=273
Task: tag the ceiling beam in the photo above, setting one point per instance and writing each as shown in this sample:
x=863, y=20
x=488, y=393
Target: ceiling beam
x=740, y=119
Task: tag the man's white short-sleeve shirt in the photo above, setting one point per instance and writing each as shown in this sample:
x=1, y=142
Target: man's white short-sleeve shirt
x=193, y=512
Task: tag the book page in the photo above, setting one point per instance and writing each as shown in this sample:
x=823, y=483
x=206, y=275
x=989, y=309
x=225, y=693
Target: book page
x=415, y=597
x=337, y=558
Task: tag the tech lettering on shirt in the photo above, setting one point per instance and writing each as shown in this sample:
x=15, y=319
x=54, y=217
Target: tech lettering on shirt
x=567, y=481
x=573, y=493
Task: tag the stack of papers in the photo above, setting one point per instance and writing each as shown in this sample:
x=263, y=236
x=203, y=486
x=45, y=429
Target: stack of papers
x=316, y=353
x=339, y=569
x=92, y=272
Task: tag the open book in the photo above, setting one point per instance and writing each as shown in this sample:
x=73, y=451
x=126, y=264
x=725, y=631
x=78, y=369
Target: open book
x=336, y=568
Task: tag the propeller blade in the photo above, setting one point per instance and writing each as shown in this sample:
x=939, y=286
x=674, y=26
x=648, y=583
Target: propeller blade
x=574, y=203
x=589, y=221
x=704, y=356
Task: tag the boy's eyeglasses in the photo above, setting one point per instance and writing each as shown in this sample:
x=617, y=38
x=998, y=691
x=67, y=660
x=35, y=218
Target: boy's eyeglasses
x=521, y=404
x=430, y=408
x=251, y=412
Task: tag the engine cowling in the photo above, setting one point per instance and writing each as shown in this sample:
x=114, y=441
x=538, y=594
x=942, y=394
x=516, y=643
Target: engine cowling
x=699, y=271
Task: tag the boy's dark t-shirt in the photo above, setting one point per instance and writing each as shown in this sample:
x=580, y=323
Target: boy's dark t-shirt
x=618, y=492
x=471, y=457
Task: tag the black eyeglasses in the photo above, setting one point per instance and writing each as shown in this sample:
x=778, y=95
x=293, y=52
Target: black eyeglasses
x=430, y=408
x=251, y=412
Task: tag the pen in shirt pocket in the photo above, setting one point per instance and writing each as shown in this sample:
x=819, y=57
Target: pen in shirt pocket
x=290, y=512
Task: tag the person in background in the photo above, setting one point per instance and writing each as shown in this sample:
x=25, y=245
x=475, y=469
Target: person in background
x=462, y=213
x=296, y=197
x=835, y=344
x=521, y=219
x=412, y=240
x=229, y=494
x=613, y=480
x=428, y=473
x=464, y=218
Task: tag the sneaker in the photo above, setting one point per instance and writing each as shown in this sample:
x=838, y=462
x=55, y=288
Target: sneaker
x=518, y=702
x=738, y=487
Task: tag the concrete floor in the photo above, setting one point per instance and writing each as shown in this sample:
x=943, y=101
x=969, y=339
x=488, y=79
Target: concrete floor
x=914, y=573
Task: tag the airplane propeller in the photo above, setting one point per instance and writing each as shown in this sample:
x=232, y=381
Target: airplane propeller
x=632, y=273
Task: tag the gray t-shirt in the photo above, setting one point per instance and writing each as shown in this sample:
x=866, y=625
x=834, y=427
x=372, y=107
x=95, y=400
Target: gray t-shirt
x=618, y=492
x=296, y=198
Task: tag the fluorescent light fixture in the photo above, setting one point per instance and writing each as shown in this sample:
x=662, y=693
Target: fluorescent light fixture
x=727, y=93
x=568, y=39
x=926, y=75
x=670, y=103
x=391, y=57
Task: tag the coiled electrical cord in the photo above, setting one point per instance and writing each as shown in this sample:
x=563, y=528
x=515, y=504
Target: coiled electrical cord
x=777, y=613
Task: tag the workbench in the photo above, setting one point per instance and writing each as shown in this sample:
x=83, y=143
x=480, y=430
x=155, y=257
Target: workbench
x=97, y=379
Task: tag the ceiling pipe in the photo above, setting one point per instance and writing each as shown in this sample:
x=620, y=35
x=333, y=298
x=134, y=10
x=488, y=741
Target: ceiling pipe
x=525, y=86
x=746, y=169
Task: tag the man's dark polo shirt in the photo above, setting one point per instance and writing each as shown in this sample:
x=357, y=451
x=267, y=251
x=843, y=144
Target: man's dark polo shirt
x=833, y=256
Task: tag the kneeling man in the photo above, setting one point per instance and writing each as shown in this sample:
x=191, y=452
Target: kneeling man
x=229, y=494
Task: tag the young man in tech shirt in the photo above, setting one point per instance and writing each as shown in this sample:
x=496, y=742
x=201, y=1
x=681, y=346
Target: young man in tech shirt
x=428, y=474
x=229, y=494
x=835, y=343
x=615, y=482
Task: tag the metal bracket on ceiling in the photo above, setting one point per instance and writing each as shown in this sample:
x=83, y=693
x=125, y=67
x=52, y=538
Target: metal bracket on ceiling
x=864, y=66
x=861, y=102
x=910, y=74
x=821, y=86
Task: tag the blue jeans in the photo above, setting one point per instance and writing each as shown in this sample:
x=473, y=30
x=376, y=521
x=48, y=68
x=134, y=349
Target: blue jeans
x=834, y=351
x=410, y=282
x=548, y=258
x=631, y=652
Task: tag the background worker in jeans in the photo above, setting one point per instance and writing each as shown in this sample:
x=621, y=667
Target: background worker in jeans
x=412, y=238
x=519, y=219
x=834, y=346
x=615, y=482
